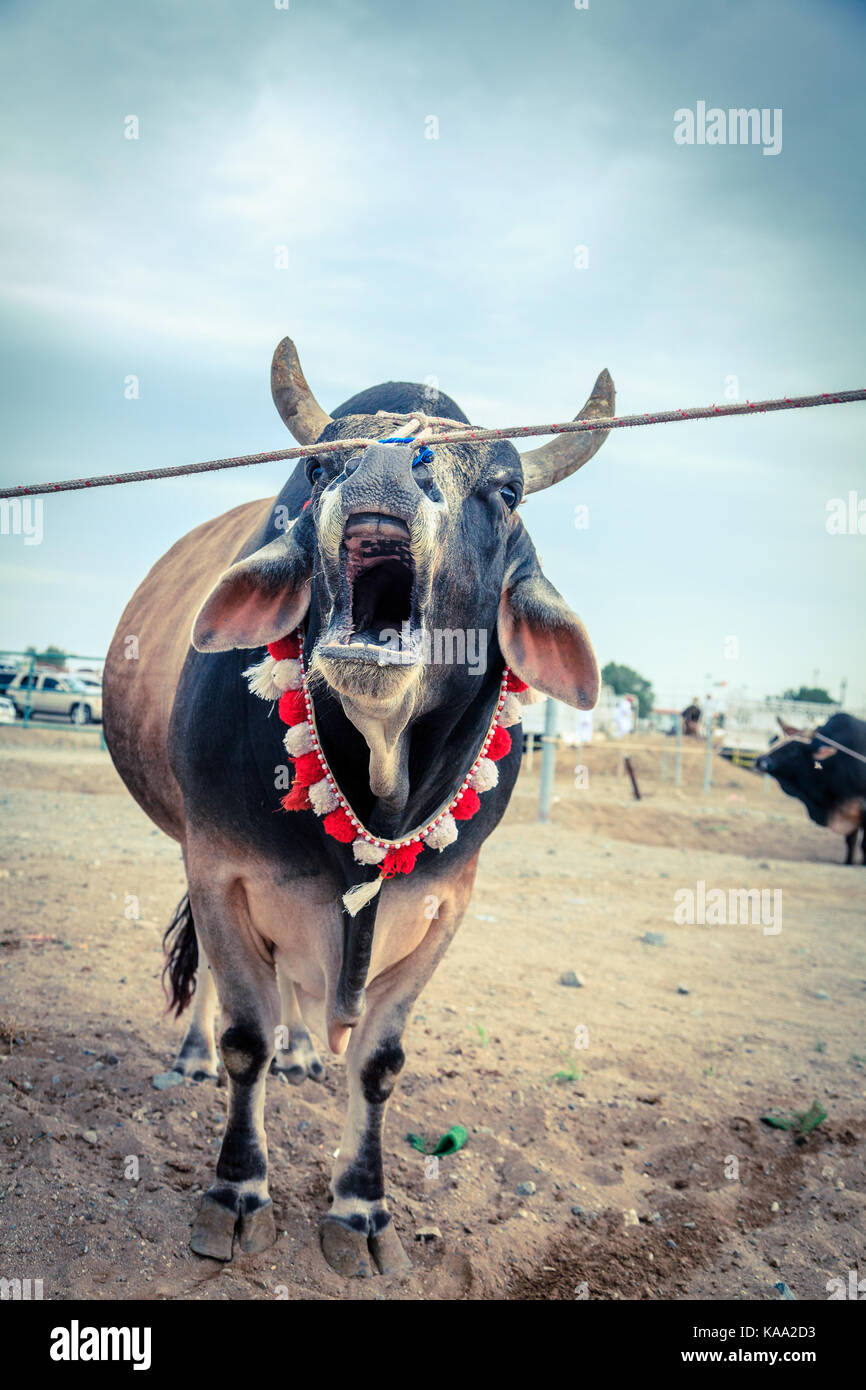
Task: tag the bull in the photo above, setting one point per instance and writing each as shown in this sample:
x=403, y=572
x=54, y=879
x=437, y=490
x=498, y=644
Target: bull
x=830, y=782
x=328, y=917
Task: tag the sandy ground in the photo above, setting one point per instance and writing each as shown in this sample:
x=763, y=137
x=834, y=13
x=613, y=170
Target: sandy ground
x=653, y=1175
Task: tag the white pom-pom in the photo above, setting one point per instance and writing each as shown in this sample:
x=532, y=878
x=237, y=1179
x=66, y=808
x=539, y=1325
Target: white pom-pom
x=528, y=696
x=322, y=798
x=287, y=675
x=485, y=776
x=443, y=834
x=365, y=853
x=298, y=740
x=261, y=680
x=512, y=711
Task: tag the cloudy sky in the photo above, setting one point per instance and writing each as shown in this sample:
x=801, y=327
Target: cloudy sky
x=711, y=268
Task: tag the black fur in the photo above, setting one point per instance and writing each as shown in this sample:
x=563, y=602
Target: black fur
x=402, y=397
x=181, y=947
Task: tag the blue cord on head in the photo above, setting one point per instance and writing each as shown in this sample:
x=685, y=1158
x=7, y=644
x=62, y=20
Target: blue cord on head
x=424, y=454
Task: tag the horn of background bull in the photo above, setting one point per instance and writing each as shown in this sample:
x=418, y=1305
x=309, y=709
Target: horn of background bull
x=567, y=452
x=297, y=406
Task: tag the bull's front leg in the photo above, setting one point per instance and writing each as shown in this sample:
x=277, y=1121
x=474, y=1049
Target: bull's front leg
x=239, y=1203
x=357, y=1235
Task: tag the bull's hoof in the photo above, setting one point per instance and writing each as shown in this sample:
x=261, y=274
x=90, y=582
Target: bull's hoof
x=196, y=1073
x=345, y=1249
x=294, y=1076
x=257, y=1229
x=298, y=1062
x=213, y=1230
x=388, y=1252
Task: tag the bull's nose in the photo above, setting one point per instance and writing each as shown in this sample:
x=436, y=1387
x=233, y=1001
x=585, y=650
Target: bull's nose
x=384, y=479
x=761, y=765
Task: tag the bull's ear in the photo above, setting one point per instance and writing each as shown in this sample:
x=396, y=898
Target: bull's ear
x=261, y=598
x=822, y=752
x=542, y=640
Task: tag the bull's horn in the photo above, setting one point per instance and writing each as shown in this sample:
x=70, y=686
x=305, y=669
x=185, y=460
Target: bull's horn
x=567, y=452
x=297, y=405
x=791, y=730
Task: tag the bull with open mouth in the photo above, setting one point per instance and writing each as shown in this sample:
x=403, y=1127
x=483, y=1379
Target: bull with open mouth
x=329, y=780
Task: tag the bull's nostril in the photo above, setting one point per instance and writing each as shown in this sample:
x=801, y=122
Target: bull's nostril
x=421, y=473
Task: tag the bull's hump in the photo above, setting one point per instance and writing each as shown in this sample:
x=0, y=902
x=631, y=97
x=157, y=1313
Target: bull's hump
x=402, y=397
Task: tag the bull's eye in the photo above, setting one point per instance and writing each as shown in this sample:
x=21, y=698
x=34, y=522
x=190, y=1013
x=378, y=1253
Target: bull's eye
x=315, y=471
x=509, y=495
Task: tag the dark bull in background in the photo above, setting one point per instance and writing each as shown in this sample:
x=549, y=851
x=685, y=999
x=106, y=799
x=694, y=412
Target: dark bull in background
x=830, y=782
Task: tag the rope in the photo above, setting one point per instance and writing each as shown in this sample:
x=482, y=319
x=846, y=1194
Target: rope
x=841, y=747
x=462, y=434
x=806, y=739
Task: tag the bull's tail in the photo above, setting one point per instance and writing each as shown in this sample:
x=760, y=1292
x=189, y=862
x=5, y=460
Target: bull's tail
x=181, y=957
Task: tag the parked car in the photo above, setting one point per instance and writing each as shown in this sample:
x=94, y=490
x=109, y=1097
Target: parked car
x=56, y=694
x=7, y=711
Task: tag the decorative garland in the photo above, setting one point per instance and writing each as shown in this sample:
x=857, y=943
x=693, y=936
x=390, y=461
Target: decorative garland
x=281, y=677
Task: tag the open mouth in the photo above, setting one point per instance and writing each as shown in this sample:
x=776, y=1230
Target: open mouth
x=375, y=619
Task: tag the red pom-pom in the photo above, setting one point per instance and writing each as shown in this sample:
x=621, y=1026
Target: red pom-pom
x=339, y=827
x=468, y=804
x=401, y=860
x=297, y=799
x=515, y=683
x=291, y=708
x=285, y=648
x=500, y=744
x=308, y=769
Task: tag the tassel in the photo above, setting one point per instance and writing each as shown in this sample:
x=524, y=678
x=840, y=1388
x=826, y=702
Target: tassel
x=485, y=776
x=356, y=898
x=443, y=834
x=323, y=798
x=260, y=679
x=515, y=683
x=365, y=853
x=298, y=740
x=512, y=711
x=297, y=800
